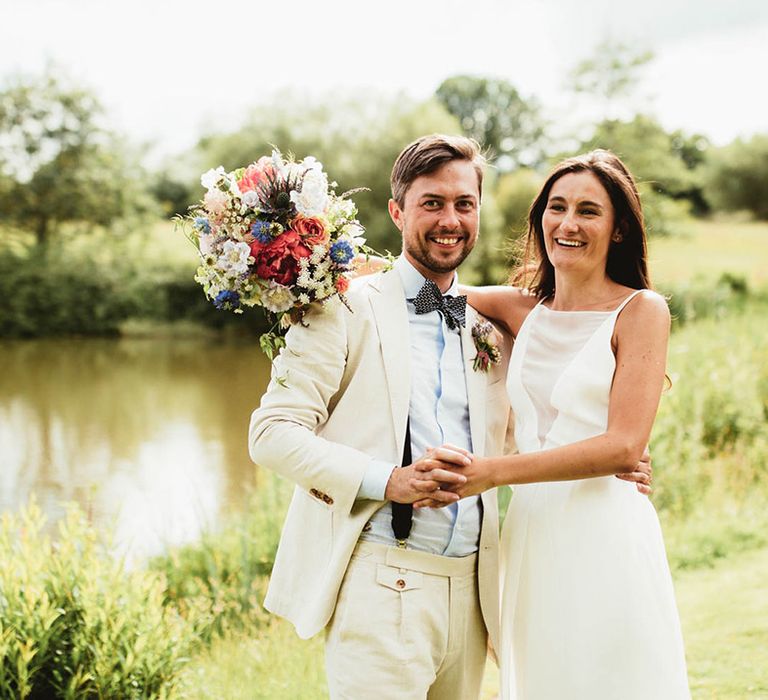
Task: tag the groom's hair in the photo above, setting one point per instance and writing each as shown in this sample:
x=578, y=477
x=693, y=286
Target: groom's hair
x=427, y=154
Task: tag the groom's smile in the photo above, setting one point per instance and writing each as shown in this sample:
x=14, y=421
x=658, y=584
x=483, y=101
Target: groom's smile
x=439, y=220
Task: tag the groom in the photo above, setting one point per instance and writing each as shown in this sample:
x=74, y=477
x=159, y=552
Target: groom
x=408, y=598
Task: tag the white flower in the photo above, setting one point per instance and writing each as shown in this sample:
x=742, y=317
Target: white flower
x=233, y=260
x=215, y=201
x=313, y=198
x=303, y=299
x=340, y=211
x=210, y=178
x=206, y=244
x=312, y=163
x=318, y=253
x=354, y=232
x=250, y=199
x=277, y=298
x=234, y=188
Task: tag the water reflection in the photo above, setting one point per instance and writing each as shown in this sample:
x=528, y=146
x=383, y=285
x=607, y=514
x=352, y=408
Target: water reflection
x=149, y=436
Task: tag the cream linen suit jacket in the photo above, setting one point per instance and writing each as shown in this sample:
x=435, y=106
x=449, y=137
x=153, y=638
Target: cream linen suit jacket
x=343, y=401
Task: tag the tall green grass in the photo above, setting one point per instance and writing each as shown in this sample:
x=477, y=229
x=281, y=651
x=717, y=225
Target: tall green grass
x=75, y=624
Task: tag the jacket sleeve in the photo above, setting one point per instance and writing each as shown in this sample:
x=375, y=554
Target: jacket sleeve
x=282, y=435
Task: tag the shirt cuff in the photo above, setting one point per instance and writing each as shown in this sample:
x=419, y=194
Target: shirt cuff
x=374, y=483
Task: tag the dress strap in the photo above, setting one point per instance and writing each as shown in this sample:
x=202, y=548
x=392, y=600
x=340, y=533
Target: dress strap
x=618, y=309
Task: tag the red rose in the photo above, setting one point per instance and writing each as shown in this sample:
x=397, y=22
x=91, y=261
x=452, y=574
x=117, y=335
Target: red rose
x=311, y=229
x=278, y=260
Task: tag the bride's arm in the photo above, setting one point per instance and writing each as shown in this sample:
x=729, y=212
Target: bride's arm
x=508, y=306
x=642, y=332
x=369, y=264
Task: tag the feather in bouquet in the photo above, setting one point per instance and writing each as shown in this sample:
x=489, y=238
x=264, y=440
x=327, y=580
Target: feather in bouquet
x=275, y=235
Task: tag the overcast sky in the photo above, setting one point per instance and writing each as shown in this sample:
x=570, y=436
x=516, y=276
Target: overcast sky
x=166, y=69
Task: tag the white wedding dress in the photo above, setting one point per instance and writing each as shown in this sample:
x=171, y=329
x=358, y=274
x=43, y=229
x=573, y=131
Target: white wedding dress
x=588, y=608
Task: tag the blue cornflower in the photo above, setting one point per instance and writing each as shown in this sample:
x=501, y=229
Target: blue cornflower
x=261, y=231
x=201, y=224
x=227, y=300
x=341, y=252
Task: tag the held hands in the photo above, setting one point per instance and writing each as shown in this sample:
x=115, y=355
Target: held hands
x=429, y=478
x=468, y=478
x=448, y=473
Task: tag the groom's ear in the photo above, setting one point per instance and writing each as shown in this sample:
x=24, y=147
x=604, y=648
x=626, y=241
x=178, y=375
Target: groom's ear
x=396, y=214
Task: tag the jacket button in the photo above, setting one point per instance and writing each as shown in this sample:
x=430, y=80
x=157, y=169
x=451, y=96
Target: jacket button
x=400, y=583
x=327, y=499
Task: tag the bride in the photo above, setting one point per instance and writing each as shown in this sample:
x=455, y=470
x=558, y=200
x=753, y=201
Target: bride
x=588, y=608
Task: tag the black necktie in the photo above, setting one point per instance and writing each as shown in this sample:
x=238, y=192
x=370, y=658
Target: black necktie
x=402, y=513
x=453, y=309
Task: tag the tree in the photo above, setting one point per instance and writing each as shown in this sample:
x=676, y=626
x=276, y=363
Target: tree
x=494, y=113
x=611, y=74
x=57, y=164
x=664, y=164
x=737, y=176
x=357, y=138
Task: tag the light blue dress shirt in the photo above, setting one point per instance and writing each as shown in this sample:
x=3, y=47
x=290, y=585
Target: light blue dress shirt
x=439, y=413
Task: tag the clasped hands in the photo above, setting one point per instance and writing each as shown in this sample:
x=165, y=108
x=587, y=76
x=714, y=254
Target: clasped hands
x=447, y=473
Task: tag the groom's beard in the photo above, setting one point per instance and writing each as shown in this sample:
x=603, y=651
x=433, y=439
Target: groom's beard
x=420, y=251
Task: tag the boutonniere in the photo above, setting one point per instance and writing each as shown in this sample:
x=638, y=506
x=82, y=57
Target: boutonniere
x=488, y=352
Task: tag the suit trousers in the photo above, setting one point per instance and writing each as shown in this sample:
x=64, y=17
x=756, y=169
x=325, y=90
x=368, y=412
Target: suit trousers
x=407, y=626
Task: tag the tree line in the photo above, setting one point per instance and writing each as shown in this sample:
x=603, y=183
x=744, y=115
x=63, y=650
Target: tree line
x=62, y=168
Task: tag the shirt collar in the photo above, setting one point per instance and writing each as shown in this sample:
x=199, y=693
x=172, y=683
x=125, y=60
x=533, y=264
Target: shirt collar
x=413, y=280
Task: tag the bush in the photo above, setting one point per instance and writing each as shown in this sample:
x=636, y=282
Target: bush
x=710, y=440
x=78, y=294
x=700, y=300
x=224, y=575
x=75, y=624
x=737, y=176
x=42, y=296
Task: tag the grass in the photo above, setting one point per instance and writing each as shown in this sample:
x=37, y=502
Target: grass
x=269, y=665
x=706, y=249
x=724, y=611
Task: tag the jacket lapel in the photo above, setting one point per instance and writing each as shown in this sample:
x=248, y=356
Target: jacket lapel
x=391, y=314
x=476, y=386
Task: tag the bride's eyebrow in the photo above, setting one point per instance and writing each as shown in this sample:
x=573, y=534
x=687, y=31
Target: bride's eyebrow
x=582, y=203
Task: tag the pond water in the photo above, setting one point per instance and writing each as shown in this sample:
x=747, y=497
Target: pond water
x=148, y=436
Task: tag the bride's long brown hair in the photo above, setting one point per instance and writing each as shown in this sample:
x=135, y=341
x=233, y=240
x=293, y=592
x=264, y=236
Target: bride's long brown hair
x=627, y=259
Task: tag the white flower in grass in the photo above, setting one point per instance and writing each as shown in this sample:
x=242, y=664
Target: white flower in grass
x=277, y=298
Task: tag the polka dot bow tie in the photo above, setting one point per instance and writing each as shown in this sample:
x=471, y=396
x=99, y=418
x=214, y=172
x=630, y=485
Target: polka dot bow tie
x=453, y=309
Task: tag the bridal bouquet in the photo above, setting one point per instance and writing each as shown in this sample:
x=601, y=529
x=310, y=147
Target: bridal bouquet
x=275, y=235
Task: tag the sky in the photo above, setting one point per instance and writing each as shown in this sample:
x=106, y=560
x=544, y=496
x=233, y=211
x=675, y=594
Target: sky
x=168, y=70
